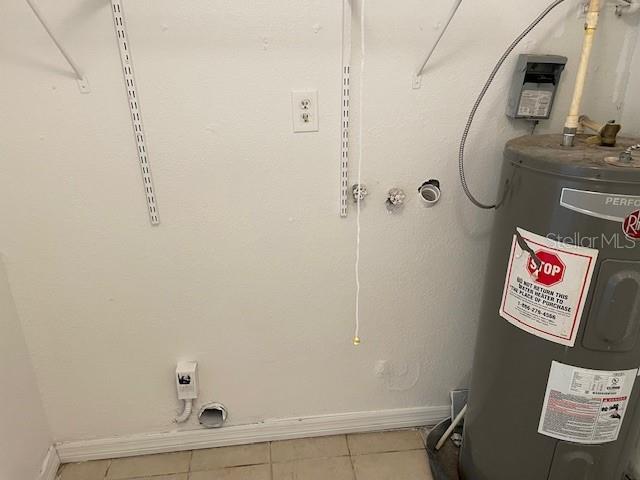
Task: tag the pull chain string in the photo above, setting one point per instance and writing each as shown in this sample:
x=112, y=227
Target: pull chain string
x=356, y=334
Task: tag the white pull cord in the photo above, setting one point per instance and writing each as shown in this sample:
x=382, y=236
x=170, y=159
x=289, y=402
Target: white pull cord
x=356, y=335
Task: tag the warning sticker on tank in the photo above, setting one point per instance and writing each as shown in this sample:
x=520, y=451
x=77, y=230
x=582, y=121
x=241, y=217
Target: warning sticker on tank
x=585, y=406
x=545, y=296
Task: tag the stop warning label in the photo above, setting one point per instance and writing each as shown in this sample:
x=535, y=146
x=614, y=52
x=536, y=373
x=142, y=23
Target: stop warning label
x=545, y=296
x=550, y=272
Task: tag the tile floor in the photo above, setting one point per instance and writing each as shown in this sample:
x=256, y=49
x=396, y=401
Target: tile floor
x=395, y=455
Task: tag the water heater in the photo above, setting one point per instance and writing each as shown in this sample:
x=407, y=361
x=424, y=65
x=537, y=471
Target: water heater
x=554, y=394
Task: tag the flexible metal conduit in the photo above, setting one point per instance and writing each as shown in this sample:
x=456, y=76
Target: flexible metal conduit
x=483, y=92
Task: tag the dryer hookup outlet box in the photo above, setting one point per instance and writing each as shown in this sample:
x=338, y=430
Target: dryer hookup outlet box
x=187, y=380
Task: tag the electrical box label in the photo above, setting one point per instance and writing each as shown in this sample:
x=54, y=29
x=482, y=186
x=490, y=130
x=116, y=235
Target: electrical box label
x=585, y=406
x=546, y=298
x=535, y=103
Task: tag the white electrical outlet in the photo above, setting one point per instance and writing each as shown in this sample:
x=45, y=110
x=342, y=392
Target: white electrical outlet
x=304, y=110
x=187, y=380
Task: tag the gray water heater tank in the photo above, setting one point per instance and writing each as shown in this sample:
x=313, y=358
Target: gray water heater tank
x=554, y=394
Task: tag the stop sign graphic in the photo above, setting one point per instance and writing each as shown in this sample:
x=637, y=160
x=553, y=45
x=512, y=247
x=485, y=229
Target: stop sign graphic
x=552, y=270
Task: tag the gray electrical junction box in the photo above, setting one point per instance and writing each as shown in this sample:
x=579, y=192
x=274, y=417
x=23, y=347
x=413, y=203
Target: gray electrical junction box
x=534, y=86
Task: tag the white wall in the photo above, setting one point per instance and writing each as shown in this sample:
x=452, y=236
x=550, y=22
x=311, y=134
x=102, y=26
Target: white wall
x=631, y=112
x=251, y=271
x=24, y=432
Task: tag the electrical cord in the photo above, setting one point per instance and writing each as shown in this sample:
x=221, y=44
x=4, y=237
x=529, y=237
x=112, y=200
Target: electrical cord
x=186, y=413
x=356, y=333
x=483, y=92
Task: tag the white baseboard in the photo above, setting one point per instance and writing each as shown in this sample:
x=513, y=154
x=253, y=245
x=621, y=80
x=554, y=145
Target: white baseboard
x=269, y=430
x=50, y=465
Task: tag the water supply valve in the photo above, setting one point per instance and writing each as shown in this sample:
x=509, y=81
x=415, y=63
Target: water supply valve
x=607, y=133
x=359, y=192
x=396, y=197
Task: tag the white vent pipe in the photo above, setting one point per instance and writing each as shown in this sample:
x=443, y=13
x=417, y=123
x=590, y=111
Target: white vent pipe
x=573, y=119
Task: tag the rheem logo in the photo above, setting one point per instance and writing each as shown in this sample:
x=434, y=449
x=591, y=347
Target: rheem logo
x=551, y=271
x=631, y=225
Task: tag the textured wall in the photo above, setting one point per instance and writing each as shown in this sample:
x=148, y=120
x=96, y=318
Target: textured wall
x=251, y=271
x=24, y=433
x=631, y=111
